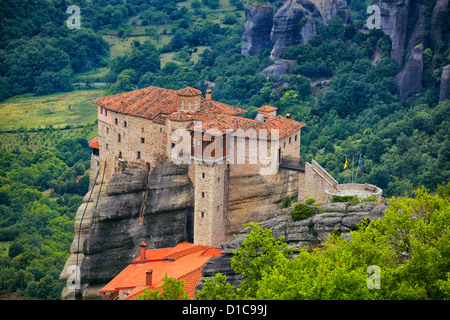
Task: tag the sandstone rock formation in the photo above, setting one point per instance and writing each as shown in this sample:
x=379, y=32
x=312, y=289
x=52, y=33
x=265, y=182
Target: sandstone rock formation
x=394, y=23
x=157, y=208
x=338, y=217
x=278, y=69
x=257, y=27
x=408, y=25
x=122, y=213
x=438, y=15
x=293, y=24
x=409, y=80
x=444, y=92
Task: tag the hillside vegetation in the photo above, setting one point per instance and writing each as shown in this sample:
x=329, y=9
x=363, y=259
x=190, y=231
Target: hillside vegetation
x=168, y=43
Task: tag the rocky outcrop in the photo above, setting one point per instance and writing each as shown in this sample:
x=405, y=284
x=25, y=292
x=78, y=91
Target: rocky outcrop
x=408, y=24
x=334, y=217
x=256, y=197
x=257, y=27
x=444, y=92
x=437, y=34
x=120, y=214
x=394, y=23
x=278, y=69
x=293, y=24
x=409, y=80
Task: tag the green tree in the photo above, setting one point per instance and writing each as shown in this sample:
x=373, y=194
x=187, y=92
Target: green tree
x=410, y=246
x=171, y=289
x=259, y=251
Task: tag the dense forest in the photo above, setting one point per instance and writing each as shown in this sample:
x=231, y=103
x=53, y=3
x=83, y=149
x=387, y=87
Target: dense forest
x=40, y=193
x=404, y=144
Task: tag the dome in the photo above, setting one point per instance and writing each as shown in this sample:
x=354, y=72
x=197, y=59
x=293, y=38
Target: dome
x=189, y=92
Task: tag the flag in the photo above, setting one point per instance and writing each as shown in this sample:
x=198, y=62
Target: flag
x=345, y=165
x=360, y=162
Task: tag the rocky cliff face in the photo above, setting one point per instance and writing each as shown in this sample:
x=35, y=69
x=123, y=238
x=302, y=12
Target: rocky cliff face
x=293, y=24
x=444, y=92
x=411, y=30
x=409, y=80
x=123, y=212
x=257, y=27
x=394, y=23
x=338, y=217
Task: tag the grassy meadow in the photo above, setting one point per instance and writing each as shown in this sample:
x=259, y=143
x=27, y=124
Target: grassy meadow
x=56, y=110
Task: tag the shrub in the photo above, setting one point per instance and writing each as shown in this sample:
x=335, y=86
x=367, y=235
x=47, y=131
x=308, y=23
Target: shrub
x=370, y=198
x=310, y=201
x=301, y=211
x=350, y=199
x=285, y=202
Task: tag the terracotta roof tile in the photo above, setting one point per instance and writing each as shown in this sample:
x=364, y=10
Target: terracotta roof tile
x=183, y=262
x=151, y=102
x=189, y=92
x=94, y=143
x=267, y=109
x=223, y=123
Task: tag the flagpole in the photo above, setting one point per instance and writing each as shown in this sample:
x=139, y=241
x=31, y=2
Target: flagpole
x=346, y=166
x=357, y=169
x=353, y=156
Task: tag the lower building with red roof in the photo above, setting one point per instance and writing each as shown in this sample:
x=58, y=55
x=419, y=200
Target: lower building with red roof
x=182, y=262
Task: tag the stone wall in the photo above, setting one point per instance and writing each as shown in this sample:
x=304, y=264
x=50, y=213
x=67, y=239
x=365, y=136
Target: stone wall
x=210, y=204
x=317, y=182
x=135, y=151
x=93, y=170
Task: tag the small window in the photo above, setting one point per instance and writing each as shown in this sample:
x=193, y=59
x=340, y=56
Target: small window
x=203, y=175
x=138, y=155
x=218, y=208
x=203, y=214
x=116, y=120
x=289, y=140
x=120, y=154
x=119, y=138
x=284, y=145
x=107, y=130
x=107, y=146
x=125, y=124
x=106, y=112
x=142, y=140
x=160, y=129
x=295, y=138
x=173, y=145
x=101, y=110
x=203, y=194
x=218, y=179
x=142, y=130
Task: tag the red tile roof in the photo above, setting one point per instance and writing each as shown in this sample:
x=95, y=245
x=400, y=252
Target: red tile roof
x=267, y=109
x=151, y=102
x=189, y=92
x=284, y=126
x=94, y=143
x=182, y=262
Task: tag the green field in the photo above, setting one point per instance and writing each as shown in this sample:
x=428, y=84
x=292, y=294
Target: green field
x=57, y=110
